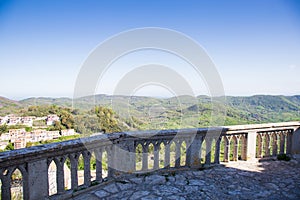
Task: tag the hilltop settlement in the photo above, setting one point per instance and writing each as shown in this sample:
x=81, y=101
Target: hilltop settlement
x=25, y=131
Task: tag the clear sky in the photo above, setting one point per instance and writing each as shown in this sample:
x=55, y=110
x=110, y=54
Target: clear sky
x=255, y=44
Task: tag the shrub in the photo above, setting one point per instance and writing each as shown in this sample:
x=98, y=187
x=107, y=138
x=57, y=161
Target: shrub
x=283, y=157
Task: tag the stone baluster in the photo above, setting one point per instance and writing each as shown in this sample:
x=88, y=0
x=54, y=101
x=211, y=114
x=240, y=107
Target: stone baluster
x=208, y=141
x=295, y=149
x=289, y=142
x=251, y=145
x=74, y=170
x=60, y=161
x=226, y=148
x=217, y=150
x=188, y=153
x=35, y=175
x=167, y=154
x=274, y=144
x=156, y=155
x=282, y=141
x=129, y=156
x=5, y=176
x=110, y=161
x=145, y=156
x=98, y=154
x=177, y=153
x=235, y=148
x=193, y=159
x=124, y=152
x=259, y=144
x=267, y=144
x=244, y=147
x=87, y=167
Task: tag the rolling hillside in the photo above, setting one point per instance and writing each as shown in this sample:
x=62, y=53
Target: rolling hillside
x=177, y=112
x=8, y=106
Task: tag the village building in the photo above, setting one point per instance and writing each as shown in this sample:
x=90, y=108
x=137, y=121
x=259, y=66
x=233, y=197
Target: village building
x=54, y=134
x=20, y=143
x=51, y=119
x=3, y=120
x=13, y=120
x=3, y=145
x=5, y=137
x=27, y=121
x=68, y=132
x=16, y=133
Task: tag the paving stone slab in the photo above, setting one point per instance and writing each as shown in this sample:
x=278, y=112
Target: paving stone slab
x=112, y=188
x=101, y=194
x=237, y=180
x=139, y=194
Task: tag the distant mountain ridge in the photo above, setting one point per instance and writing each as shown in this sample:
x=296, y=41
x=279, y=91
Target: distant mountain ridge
x=240, y=110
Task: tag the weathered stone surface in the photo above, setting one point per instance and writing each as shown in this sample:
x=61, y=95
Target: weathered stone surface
x=191, y=189
x=175, y=198
x=151, y=197
x=272, y=186
x=155, y=179
x=139, y=194
x=137, y=180
x=165, y=190
x=180, y=177
x=170, y=179
x=124, y=186
x=101, y=193
x=111, y=188
x=238, y=180
x=181, y=182
x=234, y=192
x=87, y=197
x=197, y=182
x=124, y=194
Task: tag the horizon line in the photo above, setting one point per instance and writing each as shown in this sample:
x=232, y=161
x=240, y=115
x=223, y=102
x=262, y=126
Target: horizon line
x=146, y=96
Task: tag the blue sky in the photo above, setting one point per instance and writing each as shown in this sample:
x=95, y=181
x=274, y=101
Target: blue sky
x=254, y=44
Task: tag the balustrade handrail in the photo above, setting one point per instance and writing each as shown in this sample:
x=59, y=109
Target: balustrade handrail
x=35, y=152
x=18, y=156
x=266, y=126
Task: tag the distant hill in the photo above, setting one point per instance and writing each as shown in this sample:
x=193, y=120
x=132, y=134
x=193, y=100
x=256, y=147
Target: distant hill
x=8, y=106
x=152, y=113
x=64, y=102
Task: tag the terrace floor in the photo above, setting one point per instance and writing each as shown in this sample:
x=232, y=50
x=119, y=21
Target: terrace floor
x=233, y=180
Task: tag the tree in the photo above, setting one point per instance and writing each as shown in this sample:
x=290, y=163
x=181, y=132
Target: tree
x=29, y=144
x=9, y=147
x=107, y=121
x=3, y=129
x=57, y=126
x=87, y=124
x=67, y=119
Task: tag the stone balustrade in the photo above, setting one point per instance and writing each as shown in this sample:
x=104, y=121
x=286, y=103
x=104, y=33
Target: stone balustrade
x=141, y=152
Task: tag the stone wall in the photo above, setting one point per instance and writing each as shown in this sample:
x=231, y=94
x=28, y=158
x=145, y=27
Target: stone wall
x=196, y=147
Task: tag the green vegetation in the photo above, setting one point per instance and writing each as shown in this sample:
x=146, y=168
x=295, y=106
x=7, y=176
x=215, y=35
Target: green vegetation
x=283, y=157
x=102, y=113
x=60, y=139
x=3, y=129
x=107, y=121
x=9, y=147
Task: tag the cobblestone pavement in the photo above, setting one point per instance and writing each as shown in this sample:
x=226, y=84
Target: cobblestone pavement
x=234, y=180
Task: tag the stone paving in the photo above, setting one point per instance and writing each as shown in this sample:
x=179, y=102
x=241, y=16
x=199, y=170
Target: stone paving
x=234, y=180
